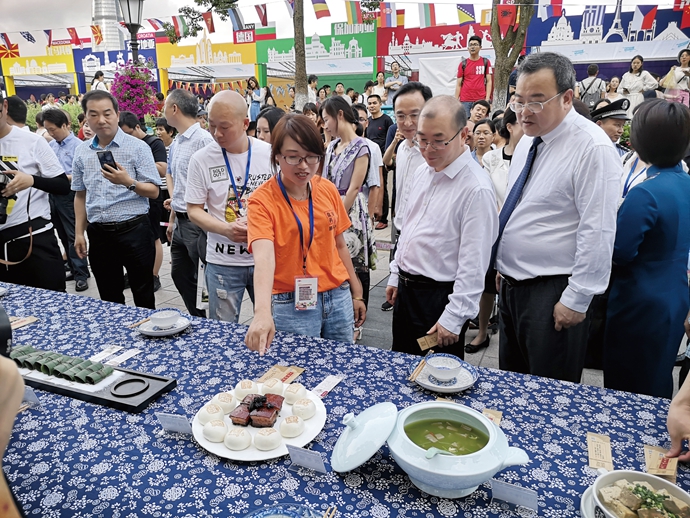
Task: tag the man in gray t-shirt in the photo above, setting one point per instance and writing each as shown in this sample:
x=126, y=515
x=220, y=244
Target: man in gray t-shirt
x=394, y=82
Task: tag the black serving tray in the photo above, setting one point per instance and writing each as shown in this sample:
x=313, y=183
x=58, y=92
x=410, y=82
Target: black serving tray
x=131, y=393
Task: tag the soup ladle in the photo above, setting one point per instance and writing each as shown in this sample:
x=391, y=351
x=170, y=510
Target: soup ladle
x=433, y=451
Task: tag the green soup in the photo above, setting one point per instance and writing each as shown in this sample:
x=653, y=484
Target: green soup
x=451, y=436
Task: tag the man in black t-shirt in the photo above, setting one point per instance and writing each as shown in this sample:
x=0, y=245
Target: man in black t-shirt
x=379, y=123
x=129, y=123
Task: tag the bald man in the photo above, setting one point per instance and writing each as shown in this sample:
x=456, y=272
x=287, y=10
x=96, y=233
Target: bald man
x=180, y=111
x=449, y=225
x=221, y=178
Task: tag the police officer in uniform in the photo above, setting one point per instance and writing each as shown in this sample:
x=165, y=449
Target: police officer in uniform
x=612, y=118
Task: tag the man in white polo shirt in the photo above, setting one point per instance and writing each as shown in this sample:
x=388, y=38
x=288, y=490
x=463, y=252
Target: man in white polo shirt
x=221, y=177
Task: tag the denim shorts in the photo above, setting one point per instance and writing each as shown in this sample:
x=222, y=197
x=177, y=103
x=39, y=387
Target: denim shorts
x=333, y=317
x=226, y=285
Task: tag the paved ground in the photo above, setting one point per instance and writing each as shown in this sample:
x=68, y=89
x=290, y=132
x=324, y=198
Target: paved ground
x=377, y=329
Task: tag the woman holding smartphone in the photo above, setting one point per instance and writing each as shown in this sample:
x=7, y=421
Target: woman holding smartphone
x=308, y=285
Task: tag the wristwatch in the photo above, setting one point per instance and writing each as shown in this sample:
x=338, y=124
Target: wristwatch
x=133, y=187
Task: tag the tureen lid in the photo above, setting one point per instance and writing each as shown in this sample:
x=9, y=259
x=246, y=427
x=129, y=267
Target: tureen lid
x=363, y=436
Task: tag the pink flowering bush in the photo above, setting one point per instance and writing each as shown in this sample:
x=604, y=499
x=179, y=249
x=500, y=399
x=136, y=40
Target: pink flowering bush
x=132, y=90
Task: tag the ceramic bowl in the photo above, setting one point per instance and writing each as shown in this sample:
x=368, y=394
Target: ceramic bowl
x=600, y=510
x=451, y=476
x=443, y=367
x=165, y=319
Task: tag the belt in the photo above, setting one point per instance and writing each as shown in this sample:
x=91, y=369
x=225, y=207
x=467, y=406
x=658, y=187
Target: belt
x=22, y=229
x=513, y=283
x=121, y=225
x=420, y=281
x=182, y=215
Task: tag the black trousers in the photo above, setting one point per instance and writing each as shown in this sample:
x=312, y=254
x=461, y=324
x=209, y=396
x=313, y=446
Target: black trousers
x=418, y=306
x=44, y=267
x=62, y=214
x=529, y=342
x=365, y=279
x=386, y=200
x=184, y=253
x=129, y=245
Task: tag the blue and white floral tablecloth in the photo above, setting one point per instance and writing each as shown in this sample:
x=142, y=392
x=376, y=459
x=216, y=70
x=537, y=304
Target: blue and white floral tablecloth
x=75, y=459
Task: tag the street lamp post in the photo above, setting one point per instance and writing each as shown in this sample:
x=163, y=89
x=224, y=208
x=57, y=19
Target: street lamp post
x=132, y=11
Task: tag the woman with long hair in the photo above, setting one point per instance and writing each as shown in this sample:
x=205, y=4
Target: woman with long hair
x=255, y=97
x=292, y=277
x=266, y=122
x=380, y=88
x=346, y=165
x=635, y=83
x=681, y=75
x=269, y=100
x=98, y=82
x=612, y=89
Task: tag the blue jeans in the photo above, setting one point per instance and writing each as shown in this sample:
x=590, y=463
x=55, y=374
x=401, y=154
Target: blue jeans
x=333, y=317
x=468, y=107
x=226, y=285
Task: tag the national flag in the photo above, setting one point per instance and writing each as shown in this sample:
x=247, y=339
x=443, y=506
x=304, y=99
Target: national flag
x=181, y=29
x=265, y=33
x=466, y=14
x=236, y=19
x=427, y=15
x=485, y=17
x=291, y=7
x=679, y=5
x=320, y=9
x=685, y=21
x=549, y=8
x=593, y=15
x=97, y=34
x=354, y=12
x=9, y=51
x=506, y=17
x=208, y=18
x=74, y=37
x=5, y=40
x=643, y=19
x=49, y=36
x=263, y=14
x=155, y=23
x=28, y=37
x=400, y=17
x=387, y=15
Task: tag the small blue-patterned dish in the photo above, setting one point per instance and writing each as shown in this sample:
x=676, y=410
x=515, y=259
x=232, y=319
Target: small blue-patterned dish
x=285, y=511
x=466, y=378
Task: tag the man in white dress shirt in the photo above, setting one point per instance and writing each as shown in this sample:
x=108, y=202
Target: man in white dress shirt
x=554, y=253
x=449, y=225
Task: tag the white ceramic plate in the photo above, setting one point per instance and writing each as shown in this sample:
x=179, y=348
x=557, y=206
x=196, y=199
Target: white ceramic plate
x=586, y=504
x=149, y=329
x=465, y=379
x=312, y=427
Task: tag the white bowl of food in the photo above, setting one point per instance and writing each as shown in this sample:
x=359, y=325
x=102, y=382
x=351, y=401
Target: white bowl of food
x=443, y=367
x=629, y=494
x=165, y=319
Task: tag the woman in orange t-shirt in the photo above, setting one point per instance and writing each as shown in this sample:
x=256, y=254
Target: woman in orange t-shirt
x=304, y=281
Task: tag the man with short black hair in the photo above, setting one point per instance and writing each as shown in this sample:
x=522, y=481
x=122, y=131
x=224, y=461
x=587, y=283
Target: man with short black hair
x=64, y=145
x=364, y=97
x=327, y=89
x=377, y=129
x=16, y=112
x=112, y=202
x=313, y=82
x=475, y=76
x=130, y=125
x=394, y=82
x=350, y=92
x=372, y=185
x=592, y=89
x=480, y=110
x=180, y=111
x=340, y=91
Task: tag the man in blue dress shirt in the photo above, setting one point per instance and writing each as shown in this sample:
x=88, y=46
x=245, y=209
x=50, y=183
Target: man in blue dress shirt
x=112, y=203
x=64, y=144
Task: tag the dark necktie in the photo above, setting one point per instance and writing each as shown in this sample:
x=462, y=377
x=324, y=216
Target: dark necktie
x=514, y=196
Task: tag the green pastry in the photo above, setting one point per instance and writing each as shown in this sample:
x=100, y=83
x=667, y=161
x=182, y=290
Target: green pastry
x=21, y=351
x=82, y=374
x=98, y=376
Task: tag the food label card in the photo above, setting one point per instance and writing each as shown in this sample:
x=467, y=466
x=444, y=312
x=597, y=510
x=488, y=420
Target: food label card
x=109, y=351
x=124, y=356
x=515, y=495
x=599, y=450
x=428, y=341
x=17, y=322
x=323, y=388
x=174, y=423
x=493, y=415
x=306, y=458
x=285, y=374
x=658, y=464
x=30, y=397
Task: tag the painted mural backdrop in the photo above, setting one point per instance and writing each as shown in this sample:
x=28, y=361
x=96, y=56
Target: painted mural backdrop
x=397, y=41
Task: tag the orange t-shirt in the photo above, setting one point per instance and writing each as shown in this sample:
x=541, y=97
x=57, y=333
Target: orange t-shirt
x=270, y=217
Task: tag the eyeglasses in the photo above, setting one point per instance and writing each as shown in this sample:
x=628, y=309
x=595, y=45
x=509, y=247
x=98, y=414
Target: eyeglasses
x=363, y=119
x=534, y=107
x=438, y=145
x=399, y=117
x=297, y=160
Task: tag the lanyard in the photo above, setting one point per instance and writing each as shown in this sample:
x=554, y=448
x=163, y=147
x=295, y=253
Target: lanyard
x=299, y=223
x=628, y=181
x=238, y=195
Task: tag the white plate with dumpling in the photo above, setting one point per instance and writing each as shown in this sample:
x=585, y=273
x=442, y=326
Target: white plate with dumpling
x=218, y=440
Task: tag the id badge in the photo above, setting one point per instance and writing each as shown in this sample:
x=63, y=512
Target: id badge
x=306, y=293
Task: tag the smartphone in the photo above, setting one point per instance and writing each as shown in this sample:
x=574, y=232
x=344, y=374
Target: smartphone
x=106, y=158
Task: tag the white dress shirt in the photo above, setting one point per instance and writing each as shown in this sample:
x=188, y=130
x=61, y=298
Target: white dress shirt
x=407, y=160
x=565, y=222
x=451, y=224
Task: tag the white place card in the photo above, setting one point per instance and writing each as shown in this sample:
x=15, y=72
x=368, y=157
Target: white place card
x=323, y=388
x=109, y=351
x=124, y=356
x=30, y=397
x=174, y=423
x=512, y=494
x=306, y=458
